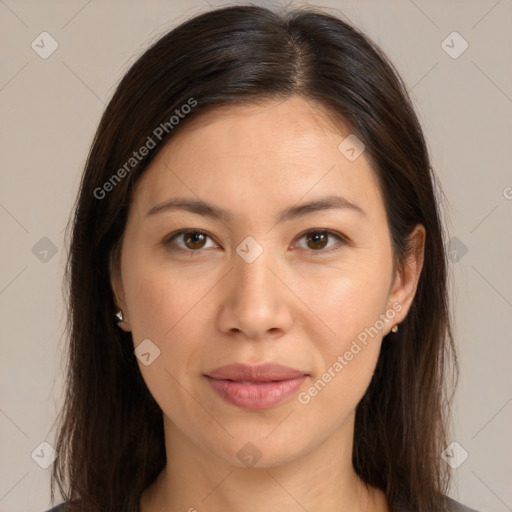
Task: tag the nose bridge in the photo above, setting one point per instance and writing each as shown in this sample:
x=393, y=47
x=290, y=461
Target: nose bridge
x=253, y=279
x=255, y=300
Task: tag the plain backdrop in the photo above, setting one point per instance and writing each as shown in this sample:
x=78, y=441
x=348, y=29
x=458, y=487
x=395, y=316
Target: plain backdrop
x=50, y=108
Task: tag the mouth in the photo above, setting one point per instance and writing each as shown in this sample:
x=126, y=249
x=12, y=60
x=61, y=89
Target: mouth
x=255, y=387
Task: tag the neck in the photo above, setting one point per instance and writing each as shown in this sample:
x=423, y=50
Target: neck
x=321, y=479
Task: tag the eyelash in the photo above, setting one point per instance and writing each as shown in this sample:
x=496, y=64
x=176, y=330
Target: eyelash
x=169, y=240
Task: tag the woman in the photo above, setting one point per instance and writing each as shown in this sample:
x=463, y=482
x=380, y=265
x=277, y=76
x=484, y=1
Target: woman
x=257, y=282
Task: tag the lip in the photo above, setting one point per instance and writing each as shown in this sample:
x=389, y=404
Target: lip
x=255, y=373
x=255, y=387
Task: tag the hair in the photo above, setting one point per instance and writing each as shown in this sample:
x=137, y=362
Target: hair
x=110, y=439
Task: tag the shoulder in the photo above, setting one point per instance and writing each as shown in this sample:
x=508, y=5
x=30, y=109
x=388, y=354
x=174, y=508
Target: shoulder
x=450, y=505
x=58, y=508
x=455, y=506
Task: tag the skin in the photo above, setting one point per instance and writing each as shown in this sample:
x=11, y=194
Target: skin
x=301, y=303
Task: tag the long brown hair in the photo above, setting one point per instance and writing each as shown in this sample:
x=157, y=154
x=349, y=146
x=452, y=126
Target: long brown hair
x=110, y=440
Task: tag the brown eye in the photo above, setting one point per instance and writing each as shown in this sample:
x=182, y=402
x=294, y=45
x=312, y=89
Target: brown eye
x=191, y=240
x=318, y=240
x=194, y=240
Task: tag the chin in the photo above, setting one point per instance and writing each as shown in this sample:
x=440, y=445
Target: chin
x=257, y=452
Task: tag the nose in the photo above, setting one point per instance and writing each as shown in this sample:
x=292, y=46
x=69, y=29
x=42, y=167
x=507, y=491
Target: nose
x=256, y=302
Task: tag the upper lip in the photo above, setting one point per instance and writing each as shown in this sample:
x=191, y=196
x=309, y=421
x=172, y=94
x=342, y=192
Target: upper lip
x=256, y=373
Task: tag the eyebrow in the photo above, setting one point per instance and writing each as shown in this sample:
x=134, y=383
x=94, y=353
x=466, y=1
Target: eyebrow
x=292, y=212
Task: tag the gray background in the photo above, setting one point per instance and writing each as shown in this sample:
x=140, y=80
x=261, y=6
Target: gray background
x=50, y=109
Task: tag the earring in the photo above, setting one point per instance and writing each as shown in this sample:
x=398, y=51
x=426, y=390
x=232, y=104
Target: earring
x=394, y=328
x=119, y=315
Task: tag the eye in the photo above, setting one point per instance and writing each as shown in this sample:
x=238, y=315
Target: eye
x=194, y=239
x=317, y=240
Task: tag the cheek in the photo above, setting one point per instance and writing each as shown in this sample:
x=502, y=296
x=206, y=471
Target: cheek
x=355, y=305
x=162, y=310
x=159, y=296
x=350, y=296
x=349, y=299
x=352, y=313
x=167, y=308
x=152, y=308
x=347, y=357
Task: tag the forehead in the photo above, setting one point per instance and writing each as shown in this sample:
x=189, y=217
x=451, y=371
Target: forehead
x=274, y=151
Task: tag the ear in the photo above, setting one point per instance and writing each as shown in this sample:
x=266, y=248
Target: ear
x=406, y=278
x=116, y=283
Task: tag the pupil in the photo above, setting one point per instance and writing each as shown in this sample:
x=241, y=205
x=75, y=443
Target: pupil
x=316, y=239
x=196, y=239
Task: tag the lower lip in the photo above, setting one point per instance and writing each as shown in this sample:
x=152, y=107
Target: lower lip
x=256, y=395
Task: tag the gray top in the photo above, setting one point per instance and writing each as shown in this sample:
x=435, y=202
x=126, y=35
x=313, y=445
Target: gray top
x=458, y=507
x=454, y=506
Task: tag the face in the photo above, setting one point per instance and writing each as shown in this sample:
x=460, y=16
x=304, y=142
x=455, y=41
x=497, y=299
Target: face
x=259, y=278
